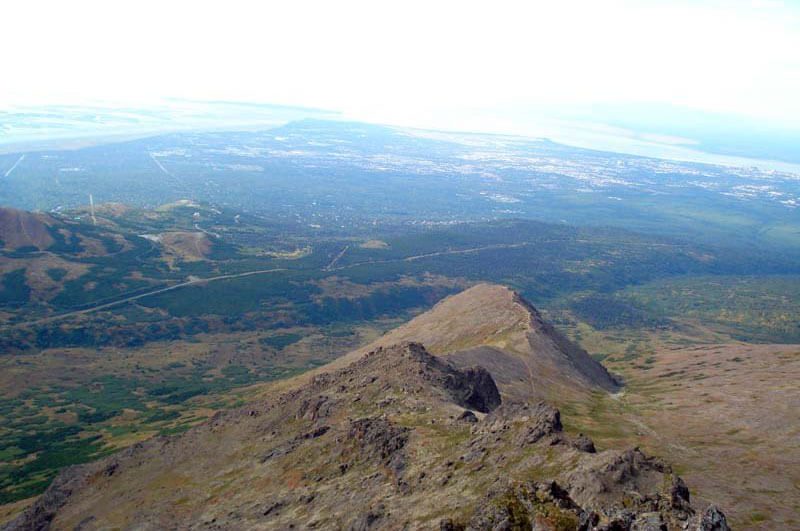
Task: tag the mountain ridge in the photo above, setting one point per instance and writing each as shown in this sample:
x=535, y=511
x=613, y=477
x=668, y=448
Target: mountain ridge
x=497, y=317
x=393, y=437
x=398, y=438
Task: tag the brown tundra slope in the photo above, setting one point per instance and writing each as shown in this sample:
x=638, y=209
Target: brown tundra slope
x=393, y=438
x=19, y=228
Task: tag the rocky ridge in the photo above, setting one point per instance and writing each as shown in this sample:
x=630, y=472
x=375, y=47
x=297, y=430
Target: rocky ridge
x=398, y=439
x=493, y=326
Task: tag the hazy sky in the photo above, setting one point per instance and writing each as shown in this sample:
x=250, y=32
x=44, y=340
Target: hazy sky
x=394, y=59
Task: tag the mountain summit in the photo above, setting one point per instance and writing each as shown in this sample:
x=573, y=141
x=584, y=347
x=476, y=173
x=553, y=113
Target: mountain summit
x=493, y=326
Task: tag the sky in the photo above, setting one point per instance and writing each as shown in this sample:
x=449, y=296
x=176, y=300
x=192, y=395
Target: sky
x=408, y=60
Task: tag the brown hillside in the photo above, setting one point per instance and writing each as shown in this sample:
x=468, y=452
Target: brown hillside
x=19, y=228
x=729, y=415
x=188, y=246
x=399, y=439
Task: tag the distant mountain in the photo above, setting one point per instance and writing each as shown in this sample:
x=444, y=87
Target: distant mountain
x=46, y=252
x=706, y=131
x=393, y=438
x=33, y=127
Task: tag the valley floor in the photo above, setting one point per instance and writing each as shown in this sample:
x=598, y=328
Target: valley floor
x=726, y=415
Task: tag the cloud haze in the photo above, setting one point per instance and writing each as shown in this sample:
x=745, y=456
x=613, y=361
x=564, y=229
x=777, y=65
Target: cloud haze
x=391, y=61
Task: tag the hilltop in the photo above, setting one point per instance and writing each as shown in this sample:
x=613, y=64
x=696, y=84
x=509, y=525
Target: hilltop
x=493, y=326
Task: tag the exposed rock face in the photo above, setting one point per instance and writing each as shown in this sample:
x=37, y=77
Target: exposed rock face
x=585, y=444
x=472, y=387
x=530, y=505
x=548, y=506
x=713, y=520
x=567, y=356
x=595, y=484
x=468, y=416
x=534, y=422
x=398, y=439
x=380, y=440
x=477, y=390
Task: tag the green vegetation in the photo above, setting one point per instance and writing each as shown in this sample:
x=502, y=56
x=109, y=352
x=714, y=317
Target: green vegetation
x=57, y=273
x=15, y=290
x=603, y=312
x=754, y=308
x=79, y=418
x=280, y=341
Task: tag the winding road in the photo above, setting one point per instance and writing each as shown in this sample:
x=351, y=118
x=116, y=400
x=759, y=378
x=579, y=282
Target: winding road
x=103, y=306
x=427, y=255
x=197, y=281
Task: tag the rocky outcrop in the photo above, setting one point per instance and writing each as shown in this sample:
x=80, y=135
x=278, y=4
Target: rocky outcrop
x=585, y=444
x=548, y=506
x=536, y=421
x=713, y=519
x=381, y=440
x=481, y=391
x=612, y=474
x=529, y=505
x=470, y=387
